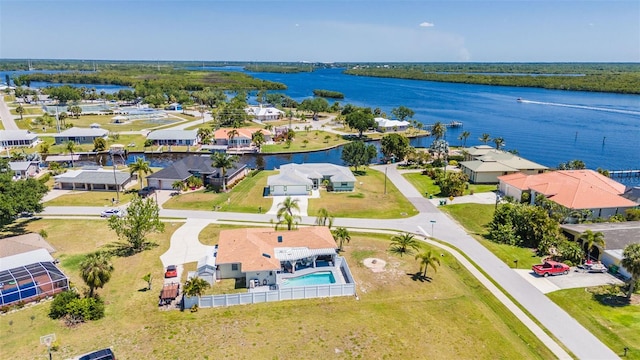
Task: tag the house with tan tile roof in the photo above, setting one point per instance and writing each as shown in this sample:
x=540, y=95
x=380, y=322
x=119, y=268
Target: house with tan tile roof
x=573, y=189
x=484, y=164
x=242, y=137
x=260, y=254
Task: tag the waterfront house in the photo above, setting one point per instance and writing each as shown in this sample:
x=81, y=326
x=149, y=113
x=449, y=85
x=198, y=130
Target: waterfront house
x=264, y=113
x=80, y=135
x=573, y=189
x=486, y=165
x=259, y=254
x=301, y=179
x=198, y=166
x=386, y=125
x=242, y=138
x=95, y=179
x=174, y=137
x=17, y=138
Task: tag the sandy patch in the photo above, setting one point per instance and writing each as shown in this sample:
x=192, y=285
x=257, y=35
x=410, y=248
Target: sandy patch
x=375, y=264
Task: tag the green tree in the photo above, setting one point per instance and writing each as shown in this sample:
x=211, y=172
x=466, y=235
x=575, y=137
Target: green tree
x=404, y=243
x=291, y=221
x=394, y=146
x=63, y=94
x=71, y=147
x=58, y=307
x=223, y=162
x=499, y=142
x=341, y=234
x=178, y=185
x=356, y=154
x=232, y=134
x=99, y=144
x=402, y=112
x=315, y=105
x=258, y=138
x=288, y=205
x=453, y=184
x=20, y=111
x=142, y=218
x=96, y=270
x=139, y=167
x=147, y=143
x=631, y=262
x=485, y=138
x=195, y=286
x=147, y=278
x=438, y=130
x=44, y=147
x=324, y=218
x=427, y=258
x=360, y=120
x=204, y=134
x=590, y=240
x=75, y=110
x=18, y=196
x=463, y=137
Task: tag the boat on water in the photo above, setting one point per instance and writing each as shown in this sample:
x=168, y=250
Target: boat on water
x=455, y=124
x=519, y=99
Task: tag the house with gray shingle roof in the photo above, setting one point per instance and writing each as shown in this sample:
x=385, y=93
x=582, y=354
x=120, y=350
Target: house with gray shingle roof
x=301, y=179
x=80, y=135
x=486, y=164
x=17, y=138
x=198, y=166
x=99, y=179
x=174, y=137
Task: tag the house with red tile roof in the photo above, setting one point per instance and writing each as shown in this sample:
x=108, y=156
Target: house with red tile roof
x=242, y=137
x=573, y=189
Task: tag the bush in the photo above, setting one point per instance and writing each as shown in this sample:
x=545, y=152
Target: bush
x=74, y=309
x=60, y=302
x=44, y=178
x=453, y=163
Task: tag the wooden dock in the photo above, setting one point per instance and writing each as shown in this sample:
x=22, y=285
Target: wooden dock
x=624, y=173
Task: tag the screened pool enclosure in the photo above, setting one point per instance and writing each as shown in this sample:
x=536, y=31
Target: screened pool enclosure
x=31, y=282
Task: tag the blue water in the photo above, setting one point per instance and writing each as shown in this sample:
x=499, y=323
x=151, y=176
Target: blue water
x=319, y=278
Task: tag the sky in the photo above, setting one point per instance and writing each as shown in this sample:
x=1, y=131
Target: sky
x=323, y=31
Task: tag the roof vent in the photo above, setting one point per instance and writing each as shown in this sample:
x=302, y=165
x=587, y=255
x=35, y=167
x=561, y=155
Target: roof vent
x=279, y=238
x=266, y=255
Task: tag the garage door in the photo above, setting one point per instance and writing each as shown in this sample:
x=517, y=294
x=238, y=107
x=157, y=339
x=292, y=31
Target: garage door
x=289, y=190
x=163, y=184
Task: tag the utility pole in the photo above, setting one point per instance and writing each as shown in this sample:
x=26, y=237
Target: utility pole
x=385, y=180
x=115, y=179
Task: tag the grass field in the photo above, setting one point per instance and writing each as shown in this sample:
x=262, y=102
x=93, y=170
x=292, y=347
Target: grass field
x=368, y=200
x=449, y=316
x=246, y=196
x=425, y=185
x=474, y=218
x=28, y=110
x=317, y=140
x=105, y=122
x=611, y=321
x=89, y=198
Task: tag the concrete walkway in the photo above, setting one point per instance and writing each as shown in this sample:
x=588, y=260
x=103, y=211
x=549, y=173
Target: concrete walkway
x=185, y=246
x=7, y=119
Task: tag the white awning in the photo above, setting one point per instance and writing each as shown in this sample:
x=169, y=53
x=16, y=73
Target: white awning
x=289, y=253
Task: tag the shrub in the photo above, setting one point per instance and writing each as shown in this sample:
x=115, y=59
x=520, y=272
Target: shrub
x=44, y=178
x=59, y=303
x=453, y=163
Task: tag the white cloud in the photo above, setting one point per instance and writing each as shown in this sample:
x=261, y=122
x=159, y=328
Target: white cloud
x=426, y=24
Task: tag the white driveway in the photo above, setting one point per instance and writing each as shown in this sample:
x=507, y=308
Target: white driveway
x=575, y=279
x=303, y=203
x=185, y=246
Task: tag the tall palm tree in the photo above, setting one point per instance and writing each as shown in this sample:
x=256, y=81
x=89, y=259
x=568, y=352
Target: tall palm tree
x=232, y=134
x=342, y=235
x=631, y=262
x=287, y=206
x=499, y=142
x=96, y=271
x=427, y=258
x=485, y=138
x=291, y=221
x=195, y=286
x=590, y=240
x=224, y=162
x=71, y=148
x=464, y=136
x=438, y=130
x=258, y=138
x=404, y=243
x=140, y=166
x=20, y=111
x=204, y=134
x=324, y=217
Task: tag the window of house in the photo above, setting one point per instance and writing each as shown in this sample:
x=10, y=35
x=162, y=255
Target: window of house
x=234, y=267
x=343, y=184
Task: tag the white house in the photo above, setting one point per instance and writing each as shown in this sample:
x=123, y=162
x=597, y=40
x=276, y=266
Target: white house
x=264, y=113
x=487, y=164
x=80, y=135
x=174, y=137
x=17, y=138
x=92, y=180
x=386, y=125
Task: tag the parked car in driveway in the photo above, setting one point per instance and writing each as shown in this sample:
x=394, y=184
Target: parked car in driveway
x=551, y=268
x=146, y=191
x=171, y=272
x=112, y=212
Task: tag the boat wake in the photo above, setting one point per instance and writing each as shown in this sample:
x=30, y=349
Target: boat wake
x=619, y=111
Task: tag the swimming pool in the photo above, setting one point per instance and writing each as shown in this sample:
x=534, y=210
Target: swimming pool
x=319, y=278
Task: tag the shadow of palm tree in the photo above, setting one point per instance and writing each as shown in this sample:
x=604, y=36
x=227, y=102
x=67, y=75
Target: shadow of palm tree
x=418, y=276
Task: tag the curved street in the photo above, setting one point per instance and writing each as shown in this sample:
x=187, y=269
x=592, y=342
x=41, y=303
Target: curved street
x=565, y=328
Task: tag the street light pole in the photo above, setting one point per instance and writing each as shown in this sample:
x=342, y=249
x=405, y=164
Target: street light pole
x=385, y=180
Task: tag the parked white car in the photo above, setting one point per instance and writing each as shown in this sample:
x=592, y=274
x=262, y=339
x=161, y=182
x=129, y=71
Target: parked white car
x=112, y=212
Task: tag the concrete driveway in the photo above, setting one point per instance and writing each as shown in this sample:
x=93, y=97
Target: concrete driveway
x=185, y=246
x=575, y=279
x=303, y=203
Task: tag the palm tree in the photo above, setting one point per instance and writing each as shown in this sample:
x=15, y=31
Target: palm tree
x=195, y=286
x=341, y=234
x=71, y=147
x=224, y=162
x=178, y=185
x=287, y=206
x=291, y=221
x=96, y=270
x=258, y=138
x=324, y=217
x=20, y=110
x=485, y=138
x=204, y=134
x=438, y=130
x=499, y=142
x=463, y=137
x=404, y=243
x=427, y=258
x=590, y=240
x=232, y=134
x=139, y=167
x=44, y=147
x=631, y=262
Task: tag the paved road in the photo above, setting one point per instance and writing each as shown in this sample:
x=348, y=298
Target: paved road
x=566, y=329
x=7, y=118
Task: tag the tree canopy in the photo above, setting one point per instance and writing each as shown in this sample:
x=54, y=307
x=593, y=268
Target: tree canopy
x=18, y=196
x=356, y=154
x=360, y=120
x=394, y=146
x=141, y=219
x=402, y=112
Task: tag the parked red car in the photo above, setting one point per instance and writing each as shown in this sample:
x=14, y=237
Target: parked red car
x=172, y=271
x=551, y=268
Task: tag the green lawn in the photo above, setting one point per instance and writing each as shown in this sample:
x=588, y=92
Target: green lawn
x=104, y=121
x=316, y=141
x=424, y=184
x=396, y=317
x=605, y=316
x=89, y=198
x=246, y=197
x=474, y=218
x=368, y=200
x=28, y=110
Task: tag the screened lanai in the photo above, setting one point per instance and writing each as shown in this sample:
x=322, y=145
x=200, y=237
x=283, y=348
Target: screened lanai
x=31, y=282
